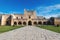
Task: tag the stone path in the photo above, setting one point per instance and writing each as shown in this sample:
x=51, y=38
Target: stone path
x=30, y=33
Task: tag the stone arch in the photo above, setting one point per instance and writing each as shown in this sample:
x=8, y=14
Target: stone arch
x=15, y=23
x=44, y=23
x=8, y=23
x=19, y=23
x=29, y=23
x=39, y=22
x=24, y=23
x=35, y=23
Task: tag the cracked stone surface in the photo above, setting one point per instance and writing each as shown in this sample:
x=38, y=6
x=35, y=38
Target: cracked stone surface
x=30, y=33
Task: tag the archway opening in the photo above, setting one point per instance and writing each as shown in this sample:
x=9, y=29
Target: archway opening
x=15, y=23
x=35, y=23
x=29, y=23
x=8, y=23
x=44, y=23
x=39, y=23
x=24, y=23
x=20, y=23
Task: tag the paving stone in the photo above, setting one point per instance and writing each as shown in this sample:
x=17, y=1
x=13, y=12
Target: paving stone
x=30, y=33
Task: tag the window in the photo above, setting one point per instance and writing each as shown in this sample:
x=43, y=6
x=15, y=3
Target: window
x=16, y=17
x=21, y=17
x=29, y=17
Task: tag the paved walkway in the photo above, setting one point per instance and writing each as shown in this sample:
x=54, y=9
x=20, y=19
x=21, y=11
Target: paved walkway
x=30, y=33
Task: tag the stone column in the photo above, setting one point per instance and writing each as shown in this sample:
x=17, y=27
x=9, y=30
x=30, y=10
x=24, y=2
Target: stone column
x=42, y=22
x=22, y=23
x=17, y=23
x=12, y=22
x=27, y=23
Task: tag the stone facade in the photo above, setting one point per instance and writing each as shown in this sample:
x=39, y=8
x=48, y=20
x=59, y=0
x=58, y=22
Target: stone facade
x=28, y=18
x=56, y=21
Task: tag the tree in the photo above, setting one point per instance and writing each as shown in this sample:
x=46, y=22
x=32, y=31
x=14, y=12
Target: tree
x=58, y=16
x=52, y=20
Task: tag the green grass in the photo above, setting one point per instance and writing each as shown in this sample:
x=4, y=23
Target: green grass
x=50, y=27
x=8, y=28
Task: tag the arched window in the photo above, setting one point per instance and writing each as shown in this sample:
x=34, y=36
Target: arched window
x=29, y=17
x=16, y=17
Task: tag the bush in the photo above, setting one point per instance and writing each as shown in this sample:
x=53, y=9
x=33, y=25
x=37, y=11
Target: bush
x=57, y=25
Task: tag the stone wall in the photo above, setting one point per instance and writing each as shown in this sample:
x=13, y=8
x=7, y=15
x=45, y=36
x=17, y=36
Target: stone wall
x=57, y=21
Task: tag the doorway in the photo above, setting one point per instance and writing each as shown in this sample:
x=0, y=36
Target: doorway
x=29, y=23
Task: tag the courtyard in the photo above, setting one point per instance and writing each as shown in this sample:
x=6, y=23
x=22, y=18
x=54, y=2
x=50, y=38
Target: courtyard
x=30, y=33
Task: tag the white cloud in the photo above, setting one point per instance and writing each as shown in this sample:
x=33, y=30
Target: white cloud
x=55, y=15
x=48, y=11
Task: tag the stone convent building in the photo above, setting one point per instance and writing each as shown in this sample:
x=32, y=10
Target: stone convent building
x=28, y=18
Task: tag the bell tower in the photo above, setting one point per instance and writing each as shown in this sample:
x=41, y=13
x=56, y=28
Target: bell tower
x=30, y=13
x=25, y=11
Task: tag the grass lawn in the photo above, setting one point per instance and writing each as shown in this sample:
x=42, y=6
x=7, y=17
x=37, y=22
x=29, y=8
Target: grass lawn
x=8, y=28
x=50, y=27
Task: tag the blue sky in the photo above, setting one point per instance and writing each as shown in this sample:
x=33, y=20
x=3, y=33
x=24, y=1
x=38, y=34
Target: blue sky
x=46, y=8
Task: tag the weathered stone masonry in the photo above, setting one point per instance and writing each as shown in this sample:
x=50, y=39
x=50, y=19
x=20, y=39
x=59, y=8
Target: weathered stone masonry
x=28, y=18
